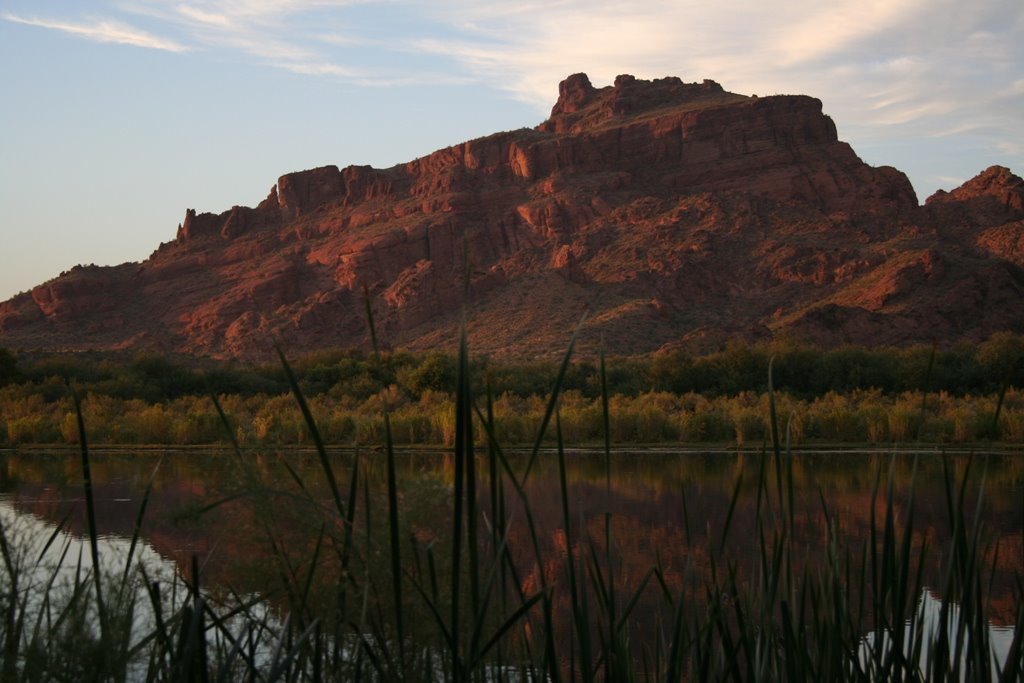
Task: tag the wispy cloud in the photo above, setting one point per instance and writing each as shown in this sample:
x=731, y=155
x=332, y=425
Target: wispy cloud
x=271, y=32
x=203, y=17
x=884, y=68
x=103, y=31
x=325, y=69
x=1012, y=148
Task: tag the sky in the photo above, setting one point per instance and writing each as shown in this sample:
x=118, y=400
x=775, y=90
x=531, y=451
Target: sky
x=117, y=115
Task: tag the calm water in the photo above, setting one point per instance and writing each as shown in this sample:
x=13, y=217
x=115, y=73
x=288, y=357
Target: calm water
x=658, y=507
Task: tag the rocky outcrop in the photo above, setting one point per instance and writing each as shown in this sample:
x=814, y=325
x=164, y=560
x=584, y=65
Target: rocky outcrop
x=298, y=193
x=995, y=186
x=674, y=212
x=992, y=198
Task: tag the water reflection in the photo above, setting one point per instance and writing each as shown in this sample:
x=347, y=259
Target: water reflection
x=660, y=508
x=51, y=562
x=49, y=583
x=921, y=634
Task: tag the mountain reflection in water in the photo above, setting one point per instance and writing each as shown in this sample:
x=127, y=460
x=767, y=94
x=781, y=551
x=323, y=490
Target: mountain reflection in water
x=661, y=508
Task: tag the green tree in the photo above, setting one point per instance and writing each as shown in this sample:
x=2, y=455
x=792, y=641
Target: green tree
x=10, y=373
x=672, y=371
x=437, y=372
x=1002, y=359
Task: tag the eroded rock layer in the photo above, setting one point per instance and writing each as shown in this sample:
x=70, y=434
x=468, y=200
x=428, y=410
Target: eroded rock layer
x=669, y=212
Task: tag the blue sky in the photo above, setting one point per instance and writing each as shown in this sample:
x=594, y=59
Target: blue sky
x=117, y=115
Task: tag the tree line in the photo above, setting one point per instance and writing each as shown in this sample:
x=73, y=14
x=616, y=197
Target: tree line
x=802, y=370
x=962, y=394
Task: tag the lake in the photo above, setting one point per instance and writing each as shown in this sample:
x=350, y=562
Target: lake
x=644, y=524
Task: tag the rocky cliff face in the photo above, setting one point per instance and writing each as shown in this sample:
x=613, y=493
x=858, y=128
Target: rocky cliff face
x=668, y=211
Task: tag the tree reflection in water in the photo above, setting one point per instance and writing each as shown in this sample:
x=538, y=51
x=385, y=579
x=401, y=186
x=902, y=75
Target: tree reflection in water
x=663, y=509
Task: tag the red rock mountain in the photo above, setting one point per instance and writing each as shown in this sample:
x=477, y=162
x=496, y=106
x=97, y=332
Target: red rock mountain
x=668, y=211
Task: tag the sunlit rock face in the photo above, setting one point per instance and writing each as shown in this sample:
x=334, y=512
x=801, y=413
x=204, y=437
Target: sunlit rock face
x=670, y=212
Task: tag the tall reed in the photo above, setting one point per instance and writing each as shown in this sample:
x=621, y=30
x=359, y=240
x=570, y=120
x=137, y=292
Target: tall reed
x=467, y=603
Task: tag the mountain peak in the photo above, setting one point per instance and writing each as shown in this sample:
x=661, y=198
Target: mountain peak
x=574, y=93
x=581, y=106
x=995, y=182
x=672, y=211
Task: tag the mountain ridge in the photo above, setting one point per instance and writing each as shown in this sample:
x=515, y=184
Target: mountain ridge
x=670, y=212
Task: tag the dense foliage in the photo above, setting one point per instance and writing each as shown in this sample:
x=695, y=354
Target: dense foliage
x=491, y=596
x=843, y=394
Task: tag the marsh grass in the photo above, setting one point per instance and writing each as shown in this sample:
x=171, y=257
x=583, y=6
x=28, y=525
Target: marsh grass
x=371, y=599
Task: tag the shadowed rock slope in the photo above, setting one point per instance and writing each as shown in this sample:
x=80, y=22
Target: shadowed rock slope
x=670, y=212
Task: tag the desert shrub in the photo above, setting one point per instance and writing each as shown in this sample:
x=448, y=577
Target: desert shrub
x=263, y=428
x=516, y=419
x=410, y=428
x=32, y=429
x=150, y=424
x=338, y=428
x=748, y=425
x=653, y=425
x=103, y=414
x=369, y=429
x=705, y=422
x=583, y=422
x=1011, y=426
x=197, y=426
x=791, y=414
x=905, y=417
x=875, y=418
x=436, y=372
x=966, y=425
x=834, y=417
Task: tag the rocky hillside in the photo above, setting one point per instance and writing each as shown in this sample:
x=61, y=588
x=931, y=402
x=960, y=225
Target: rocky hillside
x=669, y=212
